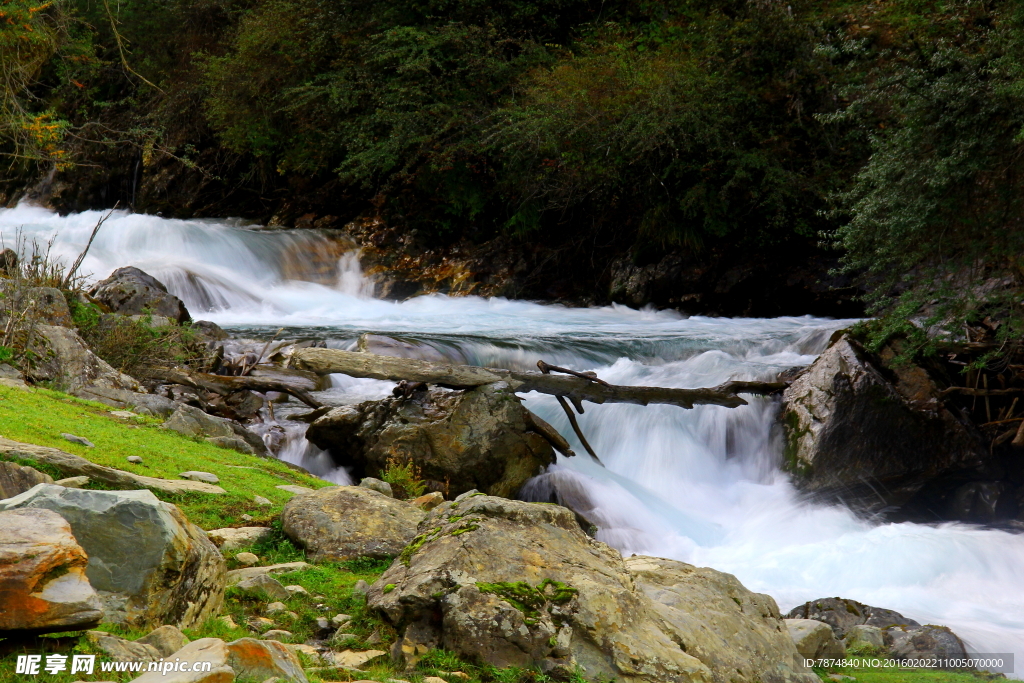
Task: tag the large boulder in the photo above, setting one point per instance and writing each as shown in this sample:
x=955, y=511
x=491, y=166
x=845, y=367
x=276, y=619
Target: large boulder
x=218, y=431
x=842, y=615
x=510, y=583
x=870, y=433
x=247, y=659
x=814, y=639
x=345, y=522
x=149, y=563
x=43, y=583
x=45, y=305
x=66, y=360
x=459, y=439
x=130, y=291
x=15, y=478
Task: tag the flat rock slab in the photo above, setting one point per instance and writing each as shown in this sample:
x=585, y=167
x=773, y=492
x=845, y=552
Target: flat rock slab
x=340, y=523
x=43, y=583
x=294, y=489
x=81, y=440
x=236, y=575
x=353, y=659
x=234, y=538
x=73, y=465
x=194, y=475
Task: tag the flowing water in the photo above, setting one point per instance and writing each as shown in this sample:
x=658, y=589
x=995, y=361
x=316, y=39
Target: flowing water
x=698, y=485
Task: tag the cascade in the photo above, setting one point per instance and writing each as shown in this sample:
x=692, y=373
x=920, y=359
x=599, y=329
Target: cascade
x=703, y=485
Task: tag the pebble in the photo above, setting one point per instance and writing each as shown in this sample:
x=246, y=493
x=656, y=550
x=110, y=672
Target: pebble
x=296, y=590
x=361, y=587
x=277, y=634
x=292, y=488
x=124, y=414
x=323, y=624
x=135, y=459
x=339, y=619
x=260, y=623
x=340, y=638
x=260, y=500
x=246, y=559
x=276, y=607
x=247, y=518
x=79, y=440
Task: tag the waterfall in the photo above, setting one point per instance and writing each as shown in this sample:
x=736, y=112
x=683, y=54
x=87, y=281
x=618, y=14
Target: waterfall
x=702, y=486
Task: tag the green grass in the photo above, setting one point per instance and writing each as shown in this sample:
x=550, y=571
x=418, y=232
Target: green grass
x=881, y=675
x=38, y=416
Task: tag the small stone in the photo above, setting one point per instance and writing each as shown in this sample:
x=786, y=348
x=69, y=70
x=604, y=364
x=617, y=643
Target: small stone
x=135, y=459
x=323, y=624
x=260, y=500
x=207, y=477
x=167, y=640
x=247, y=518
x=276, y=607
x=259, y=624
x=377, y=485
x=293, y=489
x=429, y=501
x=373, y=638
x=307, y=650
x=228, y=539
x=339, y=638
x=79, y=440
x=227, y=621
x=73, y=482
x=296, y=590
x=123, y=414
x=292, y=615
x=264, y=587
x=247, y=559
x=433, y=679
x=277, y=634
x=361, y=587
x=339, y=620
x=352, y=659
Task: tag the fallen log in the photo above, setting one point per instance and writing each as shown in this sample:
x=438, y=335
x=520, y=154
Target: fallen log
x=225, y=384
x=574, y=388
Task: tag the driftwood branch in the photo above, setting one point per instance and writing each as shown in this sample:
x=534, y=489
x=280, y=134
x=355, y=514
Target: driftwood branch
x=980, y=392
x=224, y=385
x=551, y=434
x=576, y=389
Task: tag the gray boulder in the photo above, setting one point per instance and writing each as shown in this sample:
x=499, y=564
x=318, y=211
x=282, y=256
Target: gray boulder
x=167, y=640
x=46, y=305
x=345, y=522
x=219, y=431
x=263, y=587
x=15, y=478
x=43, y=582
x=149, y=563
x=130, y=291
x=814, y=639
x=870, y=433
x=121, y=650
x=510, y=583
x=65, y=360
x=378, y=486
x=926, y=643
x=460, y=440
x=842, y=614
x=861, y=637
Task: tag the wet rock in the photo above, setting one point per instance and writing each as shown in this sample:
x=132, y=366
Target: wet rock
x=340, y=523
x=377, y=485
x=81, y=440
x=263, y=587
x=121, y=650
x=219, y=431
x=209, y=331
x=382, y=345
x=814, y=639
x=473, y=439
x=15, y=478
x=871, y=435
x=842, y=614
x=130, y=291
x=170, y=573
x=510, y=583
x=233, y=539
x=981, y=501
x=167, y=640
x=43, y=583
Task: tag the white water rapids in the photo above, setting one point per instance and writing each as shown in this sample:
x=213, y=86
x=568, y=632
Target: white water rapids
x=699, y=485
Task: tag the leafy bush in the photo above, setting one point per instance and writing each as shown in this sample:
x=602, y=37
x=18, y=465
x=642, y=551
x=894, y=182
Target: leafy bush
x=404, y=477
x=132, y=345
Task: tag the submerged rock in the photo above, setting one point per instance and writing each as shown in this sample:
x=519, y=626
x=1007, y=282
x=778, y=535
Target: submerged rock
x=459, y=440
x=130, y=291
x=870, y=435
x=169, y=572
x=345, y=522
x=511, y=583
x=43, y=582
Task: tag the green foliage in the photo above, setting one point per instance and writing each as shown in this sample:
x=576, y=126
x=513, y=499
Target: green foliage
x=132, y=345
x=404, y=477
x=528, y=599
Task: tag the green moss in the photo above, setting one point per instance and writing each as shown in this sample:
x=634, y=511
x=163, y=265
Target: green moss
x=388, y=588
x=418, y=543
x=791, y=461
x=529, y=600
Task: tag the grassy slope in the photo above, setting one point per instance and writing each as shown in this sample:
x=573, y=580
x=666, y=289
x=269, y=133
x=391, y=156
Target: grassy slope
x=39, y=416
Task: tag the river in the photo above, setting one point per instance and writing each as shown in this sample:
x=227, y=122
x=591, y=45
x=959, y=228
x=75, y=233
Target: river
x=702, y=486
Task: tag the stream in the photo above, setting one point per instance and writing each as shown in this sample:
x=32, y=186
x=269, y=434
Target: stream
x=702, y=486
